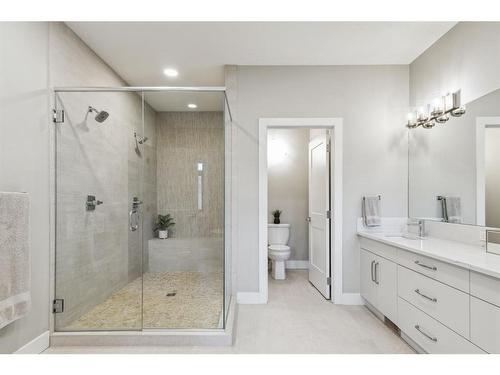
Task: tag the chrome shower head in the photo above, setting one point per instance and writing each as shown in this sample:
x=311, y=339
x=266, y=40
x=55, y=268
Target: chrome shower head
x=101, y=116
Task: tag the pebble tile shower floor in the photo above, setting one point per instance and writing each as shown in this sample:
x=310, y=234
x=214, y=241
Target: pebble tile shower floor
x=169, y=300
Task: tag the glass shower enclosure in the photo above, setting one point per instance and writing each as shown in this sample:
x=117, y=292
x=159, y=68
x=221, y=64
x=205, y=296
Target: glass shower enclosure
x=141, y=239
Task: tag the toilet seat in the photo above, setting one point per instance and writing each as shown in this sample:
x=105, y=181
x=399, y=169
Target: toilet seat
x=279, y=248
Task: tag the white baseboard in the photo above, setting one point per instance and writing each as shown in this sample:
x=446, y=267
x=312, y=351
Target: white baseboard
x=350, y=299
x=35, y=346
x=297, y=264
x=251, y=298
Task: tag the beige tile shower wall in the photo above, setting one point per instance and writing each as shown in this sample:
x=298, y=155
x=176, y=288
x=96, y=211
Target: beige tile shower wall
x=184, y=139
x=96, y=253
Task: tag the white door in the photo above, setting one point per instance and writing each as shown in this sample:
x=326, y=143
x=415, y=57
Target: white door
x=319, y=206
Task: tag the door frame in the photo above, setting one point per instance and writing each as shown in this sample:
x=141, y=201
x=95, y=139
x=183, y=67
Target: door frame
x=335, y=124
x=481, y=124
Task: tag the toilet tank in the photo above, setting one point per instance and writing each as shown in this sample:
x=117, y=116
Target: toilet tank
x=278, y=234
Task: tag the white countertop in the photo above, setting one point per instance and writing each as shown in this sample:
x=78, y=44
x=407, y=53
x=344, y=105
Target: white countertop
x=472, y=257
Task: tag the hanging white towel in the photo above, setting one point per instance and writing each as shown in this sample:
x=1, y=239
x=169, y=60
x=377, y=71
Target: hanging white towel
x=453, y=209
x=15, y=280
x=371, y=211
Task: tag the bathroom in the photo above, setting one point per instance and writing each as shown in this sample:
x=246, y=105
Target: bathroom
x=152, y=175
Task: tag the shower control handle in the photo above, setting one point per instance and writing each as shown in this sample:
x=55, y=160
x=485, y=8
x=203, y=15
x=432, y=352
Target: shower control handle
x=92, y=203
x=133, y=224
x=136, y=203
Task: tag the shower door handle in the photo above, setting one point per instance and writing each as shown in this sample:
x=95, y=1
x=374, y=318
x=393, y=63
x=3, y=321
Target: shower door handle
x=133, y=224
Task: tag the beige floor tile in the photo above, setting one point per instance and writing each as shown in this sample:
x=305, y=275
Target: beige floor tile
x=196, y=303
x=297, y=319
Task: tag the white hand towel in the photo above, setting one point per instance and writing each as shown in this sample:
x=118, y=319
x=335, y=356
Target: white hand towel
x=454, y=209
x=15, y=281
x=371, y=211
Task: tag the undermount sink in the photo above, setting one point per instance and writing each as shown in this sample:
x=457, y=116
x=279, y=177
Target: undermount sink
x=406, y=236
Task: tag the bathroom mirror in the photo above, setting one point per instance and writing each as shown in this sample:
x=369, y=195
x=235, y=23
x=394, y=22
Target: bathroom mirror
x=454, y=167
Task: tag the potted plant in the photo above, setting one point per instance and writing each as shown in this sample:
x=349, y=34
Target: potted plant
x=276, y=214
x=163, y=223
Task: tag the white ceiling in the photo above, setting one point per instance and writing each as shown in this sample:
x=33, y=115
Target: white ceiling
x=139, y=51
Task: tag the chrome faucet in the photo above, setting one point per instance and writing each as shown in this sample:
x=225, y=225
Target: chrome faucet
x=417, y=222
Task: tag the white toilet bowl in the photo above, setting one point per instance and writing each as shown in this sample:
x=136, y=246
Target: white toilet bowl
x=278, y=251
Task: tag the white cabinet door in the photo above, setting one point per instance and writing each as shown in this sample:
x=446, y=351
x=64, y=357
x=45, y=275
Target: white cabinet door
x=379, y=283
x=368, y=286
x=386, y=276
x=485, y=325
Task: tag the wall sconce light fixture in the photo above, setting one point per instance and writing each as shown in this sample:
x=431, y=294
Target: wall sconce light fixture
x=438, y=112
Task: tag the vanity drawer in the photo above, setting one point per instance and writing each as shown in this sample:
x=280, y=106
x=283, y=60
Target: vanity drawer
x=429, y=334
x=485, y=287
x=378, y=248
x=485, y=325
x=444, y=303
x=455, y=276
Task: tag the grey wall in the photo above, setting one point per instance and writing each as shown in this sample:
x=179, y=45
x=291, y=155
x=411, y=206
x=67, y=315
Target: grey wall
x=288, y=185
x=96, y=253
x=372, y=100
x=24, y=158
x=466, y=58
x=184, y=139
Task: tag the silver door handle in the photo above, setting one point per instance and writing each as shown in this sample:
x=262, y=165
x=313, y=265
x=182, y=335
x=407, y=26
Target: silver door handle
x=371, y=270
x=426, y=297
x=417, y=327
x=375, y=273
x=432, y=268
x=133, y=227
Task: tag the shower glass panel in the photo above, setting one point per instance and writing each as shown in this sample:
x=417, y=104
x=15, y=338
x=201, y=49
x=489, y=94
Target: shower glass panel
x=98, y=261
x=125, y=159
x=183, y=283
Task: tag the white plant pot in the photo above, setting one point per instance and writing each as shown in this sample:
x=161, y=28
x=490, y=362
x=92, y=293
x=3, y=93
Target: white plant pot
x=163, y=234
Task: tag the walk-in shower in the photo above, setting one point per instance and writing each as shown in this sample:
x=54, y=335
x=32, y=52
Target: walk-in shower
x=112, y=272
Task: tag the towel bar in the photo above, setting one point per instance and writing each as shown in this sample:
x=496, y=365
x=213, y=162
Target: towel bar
x=378, y=195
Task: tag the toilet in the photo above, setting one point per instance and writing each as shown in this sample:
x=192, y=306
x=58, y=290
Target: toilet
x=277, y=250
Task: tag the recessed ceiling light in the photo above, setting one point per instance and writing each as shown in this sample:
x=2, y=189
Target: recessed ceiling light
x=192, y=106
x=169, y=72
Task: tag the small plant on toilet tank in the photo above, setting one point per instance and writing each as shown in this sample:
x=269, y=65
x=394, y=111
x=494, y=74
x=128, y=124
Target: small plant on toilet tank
x=277, y=214
x=162, y=225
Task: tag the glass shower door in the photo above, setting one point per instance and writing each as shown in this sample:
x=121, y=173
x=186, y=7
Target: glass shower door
x=98, y=179
x=183, y=282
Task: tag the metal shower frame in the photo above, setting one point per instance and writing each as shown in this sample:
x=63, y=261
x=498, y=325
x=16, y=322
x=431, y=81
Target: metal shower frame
x=144, y=89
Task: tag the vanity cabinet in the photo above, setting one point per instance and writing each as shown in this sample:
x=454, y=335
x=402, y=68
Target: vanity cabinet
x=485, y=311
x=448, y=305
x=441, y=307
x=485, y=325
x=430, y=334
x=379, y=283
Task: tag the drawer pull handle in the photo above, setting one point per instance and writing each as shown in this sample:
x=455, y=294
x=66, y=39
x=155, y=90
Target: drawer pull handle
x=432, y=268
x=426, y=297
x=376, y=272
x=417, y=327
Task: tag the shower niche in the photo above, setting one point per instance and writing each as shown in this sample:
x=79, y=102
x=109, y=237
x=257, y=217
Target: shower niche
x=141, y=155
